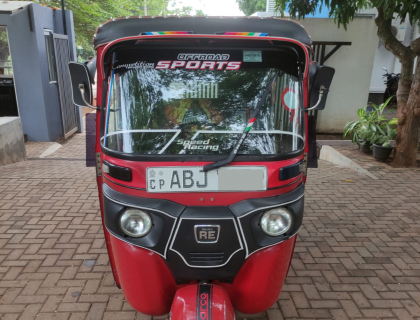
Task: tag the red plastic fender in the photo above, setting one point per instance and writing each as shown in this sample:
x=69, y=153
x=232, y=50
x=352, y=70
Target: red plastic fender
x=258, y=284
x=202, y=302
x=145, y=279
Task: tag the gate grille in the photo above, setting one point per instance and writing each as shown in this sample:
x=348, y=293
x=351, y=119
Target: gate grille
x=62, y=58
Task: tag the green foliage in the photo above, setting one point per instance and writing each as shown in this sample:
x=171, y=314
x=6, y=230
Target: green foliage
x=249, y=7
x=343, y=11
x=371, y=126
x=89, y=14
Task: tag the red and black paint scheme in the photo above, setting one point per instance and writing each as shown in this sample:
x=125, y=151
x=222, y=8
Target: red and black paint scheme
x=206, y=251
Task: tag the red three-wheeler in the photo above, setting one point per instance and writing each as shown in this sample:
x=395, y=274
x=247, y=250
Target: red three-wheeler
x=201, y=153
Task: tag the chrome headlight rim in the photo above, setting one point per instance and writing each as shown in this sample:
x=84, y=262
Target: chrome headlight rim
x=285, y=214
x=138, y=212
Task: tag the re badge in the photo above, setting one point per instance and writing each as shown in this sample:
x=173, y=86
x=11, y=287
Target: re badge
x=207, y=233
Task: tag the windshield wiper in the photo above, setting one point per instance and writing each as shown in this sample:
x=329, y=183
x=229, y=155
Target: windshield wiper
x=232, y=155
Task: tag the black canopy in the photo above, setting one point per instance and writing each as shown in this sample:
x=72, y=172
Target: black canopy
x=134, y=26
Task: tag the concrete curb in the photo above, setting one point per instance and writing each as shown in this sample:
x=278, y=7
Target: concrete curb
x=333, y=156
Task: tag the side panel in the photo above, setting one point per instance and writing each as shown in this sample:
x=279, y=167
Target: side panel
x=99, y=179
x=258, y=284
x=145, y=279
x=306, y=105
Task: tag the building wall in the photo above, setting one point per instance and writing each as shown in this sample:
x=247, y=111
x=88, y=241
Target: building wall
x=383, y=57
x=27, y=72
x=353, y=68
x=37, y=98
x=44, y=20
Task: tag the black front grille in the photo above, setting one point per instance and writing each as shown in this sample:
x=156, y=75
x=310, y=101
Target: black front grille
x=212, y=257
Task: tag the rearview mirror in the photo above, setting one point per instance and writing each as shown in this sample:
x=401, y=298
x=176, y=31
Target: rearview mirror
x=81, y=85
x=320, y=87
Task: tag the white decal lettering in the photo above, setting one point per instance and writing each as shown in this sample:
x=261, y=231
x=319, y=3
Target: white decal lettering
x=165, y=64
x=203, y=56
x=193, y=65
x=208, y=64
x=177, y=64
x=234, y=65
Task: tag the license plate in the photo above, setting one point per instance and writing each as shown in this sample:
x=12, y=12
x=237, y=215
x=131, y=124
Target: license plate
x=193, y=179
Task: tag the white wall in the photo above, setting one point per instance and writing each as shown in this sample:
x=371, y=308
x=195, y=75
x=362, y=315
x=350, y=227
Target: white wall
x=353, y=68
x=384, y=58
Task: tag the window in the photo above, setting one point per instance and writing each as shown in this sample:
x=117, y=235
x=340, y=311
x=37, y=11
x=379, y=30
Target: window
x=161, y=105
x=6, y=70
x=49, y=45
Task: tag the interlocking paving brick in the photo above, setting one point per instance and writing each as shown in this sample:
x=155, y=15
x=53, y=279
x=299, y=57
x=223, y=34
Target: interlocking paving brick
x=357, y=255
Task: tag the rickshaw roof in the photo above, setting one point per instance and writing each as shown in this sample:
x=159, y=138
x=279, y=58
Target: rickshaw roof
x=135, y=26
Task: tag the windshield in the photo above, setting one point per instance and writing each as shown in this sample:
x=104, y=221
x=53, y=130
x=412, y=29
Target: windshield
x=200, y=101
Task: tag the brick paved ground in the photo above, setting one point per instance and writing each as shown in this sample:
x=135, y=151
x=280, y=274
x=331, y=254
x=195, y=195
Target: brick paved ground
x=357, y=256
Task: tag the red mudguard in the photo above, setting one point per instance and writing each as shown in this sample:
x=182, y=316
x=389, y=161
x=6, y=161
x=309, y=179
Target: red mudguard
x=149, y=286
x=202, y=302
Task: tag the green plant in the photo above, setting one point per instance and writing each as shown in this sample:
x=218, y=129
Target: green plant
x=364, y=135
x=370, y=124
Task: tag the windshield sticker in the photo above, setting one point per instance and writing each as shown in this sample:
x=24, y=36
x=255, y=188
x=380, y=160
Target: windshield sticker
x=135, y=65
x=198, y=145
x=203, y=56
x=289, y=99
x=202, y=65
x=194, y=89
x=252, y=56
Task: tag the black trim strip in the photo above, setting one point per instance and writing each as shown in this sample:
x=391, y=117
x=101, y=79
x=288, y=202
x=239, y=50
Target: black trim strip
x=118, y=172
x=122, y=185
x=290, y=172
x=204, y=304
x=168, y=207
x=286, y=185
x=245, y=207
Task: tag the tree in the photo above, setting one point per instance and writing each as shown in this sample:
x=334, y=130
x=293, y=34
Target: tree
x=408, y=95
x=199, y=13
x=249, y=7
x=89, y=14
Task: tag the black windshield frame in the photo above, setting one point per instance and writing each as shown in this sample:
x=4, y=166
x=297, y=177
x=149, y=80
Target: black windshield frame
x=174, y=45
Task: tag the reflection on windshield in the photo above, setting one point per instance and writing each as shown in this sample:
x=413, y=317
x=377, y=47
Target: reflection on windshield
x=184, y=111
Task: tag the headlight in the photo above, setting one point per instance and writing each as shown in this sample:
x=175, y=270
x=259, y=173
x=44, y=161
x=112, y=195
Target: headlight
x=276, y=221
x=135, y=223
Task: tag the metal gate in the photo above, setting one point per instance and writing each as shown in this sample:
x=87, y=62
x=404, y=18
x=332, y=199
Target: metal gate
x=68, y=110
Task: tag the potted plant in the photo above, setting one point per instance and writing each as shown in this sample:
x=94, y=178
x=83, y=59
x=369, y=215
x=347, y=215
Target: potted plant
x=365, y=135
x=381, y=145
x=370, y=124
x=354, y=128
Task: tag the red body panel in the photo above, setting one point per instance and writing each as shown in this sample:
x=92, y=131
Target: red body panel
x=146, y=281
x=144, y=277
x=213, y=306
x=201, y=198
x=258, y=284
